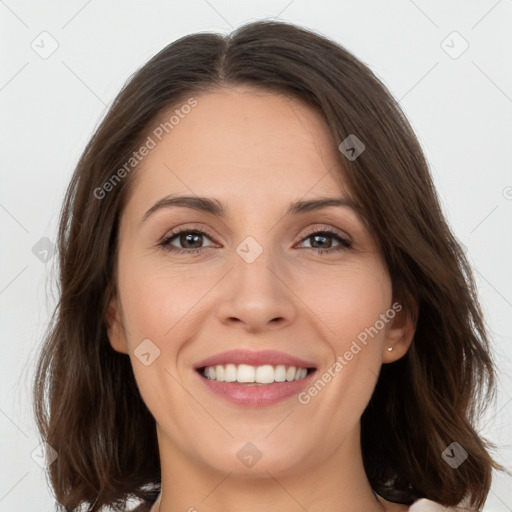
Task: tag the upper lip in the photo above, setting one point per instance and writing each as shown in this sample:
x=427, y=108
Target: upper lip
x=254, y=358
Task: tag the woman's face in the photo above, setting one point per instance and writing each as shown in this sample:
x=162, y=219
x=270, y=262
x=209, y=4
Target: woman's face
x=258, y=278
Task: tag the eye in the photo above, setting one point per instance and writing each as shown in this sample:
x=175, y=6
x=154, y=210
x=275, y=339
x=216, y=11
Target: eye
x=322, y=237
x=191, y=240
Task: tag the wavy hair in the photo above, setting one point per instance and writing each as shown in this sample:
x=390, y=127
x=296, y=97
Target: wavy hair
x=86, y=401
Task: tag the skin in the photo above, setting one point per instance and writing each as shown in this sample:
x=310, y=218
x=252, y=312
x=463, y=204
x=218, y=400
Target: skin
x=256, y=152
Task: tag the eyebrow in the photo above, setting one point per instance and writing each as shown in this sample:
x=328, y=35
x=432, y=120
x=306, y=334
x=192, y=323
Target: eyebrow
x=215, y=207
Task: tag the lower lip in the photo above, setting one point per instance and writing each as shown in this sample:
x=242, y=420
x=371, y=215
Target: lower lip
x=254, y=395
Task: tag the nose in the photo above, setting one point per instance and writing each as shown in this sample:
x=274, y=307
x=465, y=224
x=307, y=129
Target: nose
x=257, y=296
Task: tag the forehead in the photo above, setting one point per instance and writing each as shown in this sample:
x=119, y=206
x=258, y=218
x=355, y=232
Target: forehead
x=241, y=144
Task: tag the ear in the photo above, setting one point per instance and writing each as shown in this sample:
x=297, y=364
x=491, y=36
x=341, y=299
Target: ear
x=400, y=332
x=115, y=328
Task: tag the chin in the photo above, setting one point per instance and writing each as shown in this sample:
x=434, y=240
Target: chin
x=256, y=459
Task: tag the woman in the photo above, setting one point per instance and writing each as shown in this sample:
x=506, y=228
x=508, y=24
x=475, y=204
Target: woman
x=318, y=346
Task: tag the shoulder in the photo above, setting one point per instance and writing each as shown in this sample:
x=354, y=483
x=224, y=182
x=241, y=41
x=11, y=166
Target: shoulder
x=147, y=505
x=424, y=505
x=143, y=507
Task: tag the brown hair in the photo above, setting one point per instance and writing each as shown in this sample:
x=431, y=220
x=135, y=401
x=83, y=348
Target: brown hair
x=87, y=404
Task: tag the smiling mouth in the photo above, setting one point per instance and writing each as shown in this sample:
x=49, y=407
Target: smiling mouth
x=262, y=375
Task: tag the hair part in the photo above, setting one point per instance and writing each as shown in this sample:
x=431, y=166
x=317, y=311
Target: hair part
x=87, y=404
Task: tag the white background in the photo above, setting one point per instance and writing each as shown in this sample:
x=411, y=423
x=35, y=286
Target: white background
x=460, y=108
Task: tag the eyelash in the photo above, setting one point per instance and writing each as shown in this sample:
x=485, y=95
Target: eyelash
x=166, y=242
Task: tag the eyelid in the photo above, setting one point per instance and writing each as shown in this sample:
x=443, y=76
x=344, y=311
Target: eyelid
x=310, y=230
x=172, y=233
x=327, y=228
x=344, y=238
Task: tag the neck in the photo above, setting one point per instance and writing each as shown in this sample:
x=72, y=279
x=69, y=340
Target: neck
x=337, y=483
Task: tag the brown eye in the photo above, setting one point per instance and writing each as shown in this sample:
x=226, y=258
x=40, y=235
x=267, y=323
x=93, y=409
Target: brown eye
x=191, y=241
x=322, y=238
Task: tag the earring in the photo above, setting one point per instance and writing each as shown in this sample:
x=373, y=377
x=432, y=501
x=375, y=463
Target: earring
x=390, y=348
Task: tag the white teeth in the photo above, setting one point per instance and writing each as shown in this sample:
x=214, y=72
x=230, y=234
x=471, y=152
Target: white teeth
x=230, y=373
x=219, y=372
x=244, y=373
x=264, y=374
x=280, y=373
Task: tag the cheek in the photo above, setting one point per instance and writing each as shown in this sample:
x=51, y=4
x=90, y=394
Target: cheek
x=161, y=300
x=158, y=299
x=351, y=308
x=163, y=309
x=348, y=302
x=159, y=319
